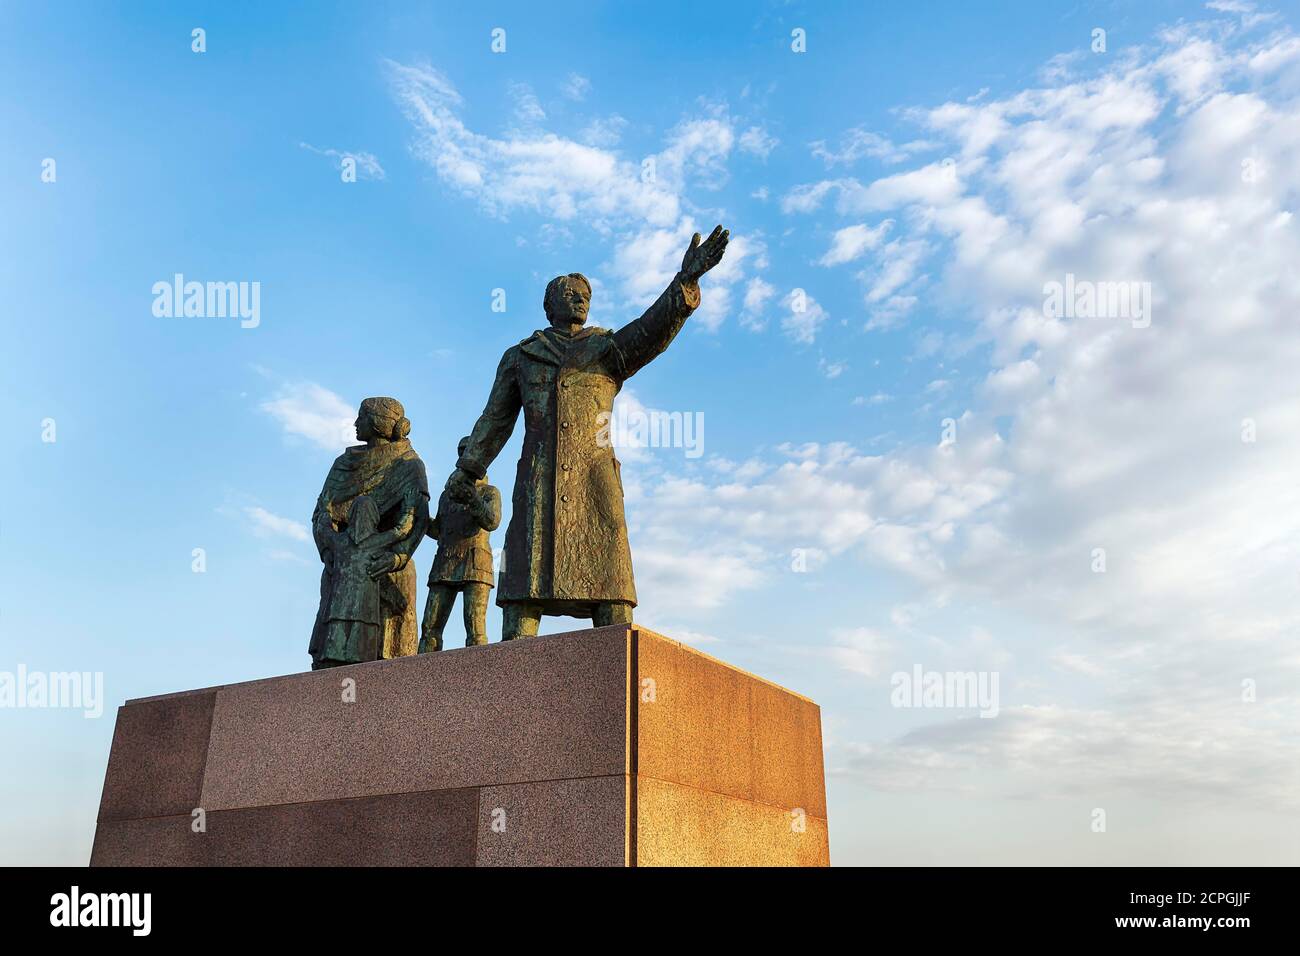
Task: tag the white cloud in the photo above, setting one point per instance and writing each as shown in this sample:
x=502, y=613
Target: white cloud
x=858, y=143
x=604, y=132
x=528, y=109
x=536, y=170
x=879, y=398
x=694, y=579
x=757, y=141
x=566, y=181
x=367, y=164
x=1090, y=433
x=860, y=650
x=313, y=412
x=1050, y=751
x=852, y=241
x=645, y=261
x=576, y=86
x=832, y=369
x=757, y=294
x=804, y=317
x=698, y=148
x=266, y=524
x=936, y=184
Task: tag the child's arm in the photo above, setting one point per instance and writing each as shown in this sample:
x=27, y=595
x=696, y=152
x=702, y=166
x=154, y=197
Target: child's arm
x=386, y=539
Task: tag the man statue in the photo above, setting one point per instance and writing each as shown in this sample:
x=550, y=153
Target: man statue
x=464, y=561
x=566, y=548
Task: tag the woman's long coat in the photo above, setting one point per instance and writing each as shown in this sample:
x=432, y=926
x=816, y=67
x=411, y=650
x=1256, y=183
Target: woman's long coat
x=393, y=475
x=566, y=546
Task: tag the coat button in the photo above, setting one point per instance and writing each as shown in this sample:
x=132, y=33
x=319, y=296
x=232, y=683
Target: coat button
x=564, y=497
x=565, y=466
x=564, y=383
x=564, y=424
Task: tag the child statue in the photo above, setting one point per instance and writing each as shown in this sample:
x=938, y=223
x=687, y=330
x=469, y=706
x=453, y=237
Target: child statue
x=463, y=565
x=354, y=621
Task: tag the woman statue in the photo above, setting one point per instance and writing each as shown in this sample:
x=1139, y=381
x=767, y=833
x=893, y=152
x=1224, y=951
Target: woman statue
x=387, y=471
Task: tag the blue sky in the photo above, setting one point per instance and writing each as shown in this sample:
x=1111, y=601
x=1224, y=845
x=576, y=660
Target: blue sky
x=919, y=172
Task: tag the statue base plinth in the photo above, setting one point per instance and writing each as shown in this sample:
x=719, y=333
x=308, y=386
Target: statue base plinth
x=612, y=746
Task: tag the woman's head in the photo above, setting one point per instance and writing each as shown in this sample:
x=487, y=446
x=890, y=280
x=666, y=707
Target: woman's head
x=383, y=418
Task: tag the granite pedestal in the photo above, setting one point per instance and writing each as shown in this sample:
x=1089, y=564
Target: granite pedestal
x=612, y=746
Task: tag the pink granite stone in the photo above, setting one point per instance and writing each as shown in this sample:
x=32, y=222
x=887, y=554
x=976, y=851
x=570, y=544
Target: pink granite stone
x=538, y=752
x=554, y=823
x=542, y=709
x=159, y=751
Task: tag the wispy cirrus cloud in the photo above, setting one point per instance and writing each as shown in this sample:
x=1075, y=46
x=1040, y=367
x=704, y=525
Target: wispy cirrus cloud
x=366, y=164
x=641, y=202
x=860, y=143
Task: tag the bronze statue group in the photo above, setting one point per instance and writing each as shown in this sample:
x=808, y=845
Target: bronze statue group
x=566, y=549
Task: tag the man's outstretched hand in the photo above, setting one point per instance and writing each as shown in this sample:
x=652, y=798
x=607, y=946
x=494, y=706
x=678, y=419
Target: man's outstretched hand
x=702, y=256
x=460, y=486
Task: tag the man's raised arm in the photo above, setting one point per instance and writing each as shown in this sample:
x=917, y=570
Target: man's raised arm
x=643, y=340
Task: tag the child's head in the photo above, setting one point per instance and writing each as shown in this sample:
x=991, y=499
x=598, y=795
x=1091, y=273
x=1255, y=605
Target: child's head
x=362, y=518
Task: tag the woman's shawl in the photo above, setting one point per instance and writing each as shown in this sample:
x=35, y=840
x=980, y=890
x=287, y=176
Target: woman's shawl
x=391, y=474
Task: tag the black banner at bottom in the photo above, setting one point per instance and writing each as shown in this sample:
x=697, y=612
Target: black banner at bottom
x=1174, y=906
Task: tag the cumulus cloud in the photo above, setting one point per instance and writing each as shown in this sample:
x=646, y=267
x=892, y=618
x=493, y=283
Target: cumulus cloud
x=757, y=141
x=758, y=292
x=851, y=242
x=804, y=317
x=1168, y=449
x=311, y=411
x=266, y=524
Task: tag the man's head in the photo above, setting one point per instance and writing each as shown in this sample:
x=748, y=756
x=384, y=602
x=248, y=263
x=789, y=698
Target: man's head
x=382, y=418
x=567, y=300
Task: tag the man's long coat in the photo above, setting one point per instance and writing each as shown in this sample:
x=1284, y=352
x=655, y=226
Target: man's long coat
x=566, y=547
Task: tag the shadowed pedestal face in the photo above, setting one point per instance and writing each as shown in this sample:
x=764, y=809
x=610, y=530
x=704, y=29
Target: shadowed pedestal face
x=610, y=746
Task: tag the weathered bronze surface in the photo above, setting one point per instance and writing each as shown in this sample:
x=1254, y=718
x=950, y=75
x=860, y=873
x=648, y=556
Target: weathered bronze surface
x=566, y=548
x=463, y=564
x=370, y=517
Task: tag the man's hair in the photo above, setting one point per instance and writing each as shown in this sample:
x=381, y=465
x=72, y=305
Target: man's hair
x=553, y=289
